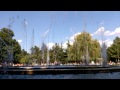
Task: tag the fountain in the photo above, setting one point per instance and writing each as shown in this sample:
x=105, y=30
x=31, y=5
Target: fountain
x=87, y=56
x=104, y=55
x=62, y=69
x=70, y=69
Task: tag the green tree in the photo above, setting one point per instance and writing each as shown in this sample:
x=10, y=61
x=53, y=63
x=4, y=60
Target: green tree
x=83, y=43
x=58, y=53
x=22, y=57
x=113, y=51
x=25, y=59
x=10, y=48
x=36, y=54
x=16, y=51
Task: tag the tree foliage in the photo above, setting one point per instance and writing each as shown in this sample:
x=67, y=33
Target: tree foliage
x=83, y=44
x=79, y=48
x=36, y=54
x=113, y=51
x=9, y=47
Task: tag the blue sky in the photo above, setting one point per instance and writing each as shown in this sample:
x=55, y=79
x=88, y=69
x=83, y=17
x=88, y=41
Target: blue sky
x=60, y=25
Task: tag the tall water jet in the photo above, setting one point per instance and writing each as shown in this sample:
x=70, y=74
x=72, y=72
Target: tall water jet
x=104, y=55
x=25, y=25
x=10, y=48
x=43, y=47
x=87, y=56
x=86, y=46
x=103, y=49
x=48, y=57
x=43, y=52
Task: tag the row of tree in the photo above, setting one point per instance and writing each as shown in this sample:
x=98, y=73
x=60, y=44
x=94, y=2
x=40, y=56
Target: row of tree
x=84, y=47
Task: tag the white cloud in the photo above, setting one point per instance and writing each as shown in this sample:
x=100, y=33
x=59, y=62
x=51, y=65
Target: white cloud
x=100, y=41
x=72, y=37
x=50, y=45
x=108, y=42
x=91, y=34
x=107, y=33
x=19, y=41
x=64, y=45
x=71, y=43
x=116, y=32
x=101, y=29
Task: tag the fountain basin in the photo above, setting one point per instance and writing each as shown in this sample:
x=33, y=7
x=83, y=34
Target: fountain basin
x=59, y=70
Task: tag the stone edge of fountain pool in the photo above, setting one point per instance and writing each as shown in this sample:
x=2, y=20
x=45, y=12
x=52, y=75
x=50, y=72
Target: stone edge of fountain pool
x=59, y=70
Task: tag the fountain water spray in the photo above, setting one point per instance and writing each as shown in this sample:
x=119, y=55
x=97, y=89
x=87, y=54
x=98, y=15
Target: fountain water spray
x=43, y=45
x=25, y=25
x=104, y=50
x=10, y=54
x=86, y=46
x=104, y=55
